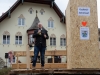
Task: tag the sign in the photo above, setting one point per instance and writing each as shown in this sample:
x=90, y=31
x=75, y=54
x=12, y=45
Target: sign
x=84, y=23
x=84, y=33
x=83, y=11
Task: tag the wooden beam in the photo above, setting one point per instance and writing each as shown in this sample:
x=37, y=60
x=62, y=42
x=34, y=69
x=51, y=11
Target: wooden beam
x=52, y=4
x=55, y=71
x=47, y=53
x=9, y=14
x=38, y=65
x=17, y=62
x=28, y=57
x=22, y=1
x=52, y=59
x=63, y=19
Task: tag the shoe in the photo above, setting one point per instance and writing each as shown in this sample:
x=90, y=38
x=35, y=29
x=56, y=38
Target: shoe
x=33, y=68
x=42, y=68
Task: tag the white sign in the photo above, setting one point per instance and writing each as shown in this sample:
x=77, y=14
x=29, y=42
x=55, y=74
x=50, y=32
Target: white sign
x=84, y=33
x=83, y=11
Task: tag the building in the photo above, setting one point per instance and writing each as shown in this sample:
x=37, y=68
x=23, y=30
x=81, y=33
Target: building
x=19, y=22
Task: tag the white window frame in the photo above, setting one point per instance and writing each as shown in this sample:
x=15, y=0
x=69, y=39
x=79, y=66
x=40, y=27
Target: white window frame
x=18, y=40
x=6, y=39
x=50, y=24
x=62, y=41
x=31, y=40
x=42, y=12
x=52, y=41
x=31, y=12
x=20, y=21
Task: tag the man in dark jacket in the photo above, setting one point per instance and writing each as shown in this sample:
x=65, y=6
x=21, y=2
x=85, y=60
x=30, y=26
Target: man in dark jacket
x=40, y=36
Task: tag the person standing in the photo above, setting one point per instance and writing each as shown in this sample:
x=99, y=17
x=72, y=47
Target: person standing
x=40, y=36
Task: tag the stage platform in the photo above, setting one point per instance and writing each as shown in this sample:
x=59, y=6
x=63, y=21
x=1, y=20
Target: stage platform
x=54, y=71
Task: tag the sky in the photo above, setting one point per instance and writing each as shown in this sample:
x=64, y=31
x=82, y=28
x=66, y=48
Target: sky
x=62, y=4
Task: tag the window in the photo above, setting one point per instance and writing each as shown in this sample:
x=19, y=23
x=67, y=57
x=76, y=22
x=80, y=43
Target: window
x=42, y=11
x=21, y=21
x=52, y=41
x=31, y=39
x=30, y=11
x=18, y=40
x=50, y=24
x=6, y=39
x=62, y=42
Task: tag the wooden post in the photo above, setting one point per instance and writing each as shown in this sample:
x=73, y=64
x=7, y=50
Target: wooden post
x=82, y=34
x=52, y=59
x=53, y=56
x=17, y=61
x=28, y=56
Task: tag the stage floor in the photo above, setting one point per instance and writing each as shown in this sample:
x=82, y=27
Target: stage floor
x=55, y=71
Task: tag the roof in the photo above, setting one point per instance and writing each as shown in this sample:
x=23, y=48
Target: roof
x=48, y=2
x=35, y=23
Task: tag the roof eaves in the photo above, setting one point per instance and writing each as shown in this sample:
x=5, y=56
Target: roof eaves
x=59, y=12
x=10, y=9
x=58, y=9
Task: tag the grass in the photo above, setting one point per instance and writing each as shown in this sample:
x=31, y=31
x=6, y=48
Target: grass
x=5, y=71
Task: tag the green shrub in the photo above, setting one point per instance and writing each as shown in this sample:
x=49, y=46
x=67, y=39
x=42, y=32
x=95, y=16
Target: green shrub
x=5, y=71
x=2, y=63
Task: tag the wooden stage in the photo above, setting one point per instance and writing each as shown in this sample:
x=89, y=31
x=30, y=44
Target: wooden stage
x=50, y=68
x=55, y=71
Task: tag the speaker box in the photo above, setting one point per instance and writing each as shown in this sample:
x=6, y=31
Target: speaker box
x=6, y=55
x=49, y=60
x=57, y=60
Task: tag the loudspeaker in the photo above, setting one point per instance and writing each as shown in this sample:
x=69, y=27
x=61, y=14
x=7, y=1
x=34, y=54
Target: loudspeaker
x=49, y=60
x=6, y=55
x=57, y=59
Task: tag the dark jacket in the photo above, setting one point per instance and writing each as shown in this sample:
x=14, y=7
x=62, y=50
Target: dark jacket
x=40, y=39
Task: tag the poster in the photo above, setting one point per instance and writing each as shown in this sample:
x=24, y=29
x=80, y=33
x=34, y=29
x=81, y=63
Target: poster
x=83, y=11
x=84, y=33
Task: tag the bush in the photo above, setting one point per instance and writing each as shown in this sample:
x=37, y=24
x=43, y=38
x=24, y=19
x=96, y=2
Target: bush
x=2, y=63
x=5, y=71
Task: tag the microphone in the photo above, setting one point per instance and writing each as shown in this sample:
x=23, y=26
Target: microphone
x=40, y=31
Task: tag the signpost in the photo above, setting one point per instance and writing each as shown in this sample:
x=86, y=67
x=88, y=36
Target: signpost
x=82, y=34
